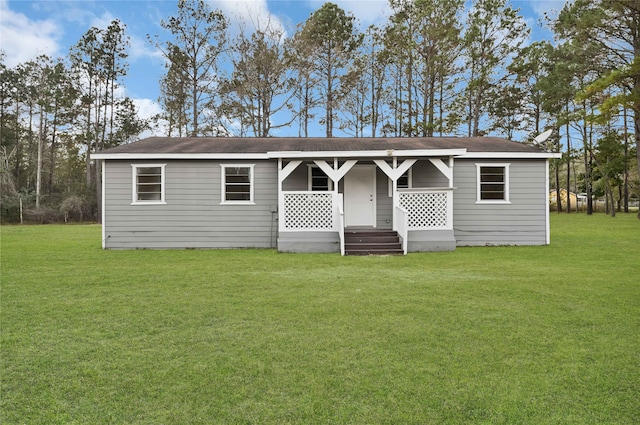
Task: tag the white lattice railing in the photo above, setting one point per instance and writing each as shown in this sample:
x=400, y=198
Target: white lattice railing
x=308, y=211
x=427, y=209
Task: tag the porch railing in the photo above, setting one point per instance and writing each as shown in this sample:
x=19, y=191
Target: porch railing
x=309, y=211
x=400, y=225
x=427, y=208
x=341, y=222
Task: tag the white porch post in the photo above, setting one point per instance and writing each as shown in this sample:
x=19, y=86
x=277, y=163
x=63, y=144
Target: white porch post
x=334, y=173
x=394, y=172
x=445, y=169
x=283, y=173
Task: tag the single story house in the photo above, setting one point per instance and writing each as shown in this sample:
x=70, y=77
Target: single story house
x=324, y=195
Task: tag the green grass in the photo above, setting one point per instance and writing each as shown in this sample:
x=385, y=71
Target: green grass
x=504, y=335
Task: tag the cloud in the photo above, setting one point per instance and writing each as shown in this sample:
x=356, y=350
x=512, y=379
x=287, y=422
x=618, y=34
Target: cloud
x=24, y=39
x=147, y=109
x=367, y=12
x=252, y=14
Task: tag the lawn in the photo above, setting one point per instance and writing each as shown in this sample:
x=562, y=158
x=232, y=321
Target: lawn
x=501, y=335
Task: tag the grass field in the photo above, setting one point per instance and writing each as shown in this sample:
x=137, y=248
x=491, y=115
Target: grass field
x=504, y=335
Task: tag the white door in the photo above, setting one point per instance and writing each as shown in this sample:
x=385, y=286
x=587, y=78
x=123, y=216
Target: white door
x=360, y=196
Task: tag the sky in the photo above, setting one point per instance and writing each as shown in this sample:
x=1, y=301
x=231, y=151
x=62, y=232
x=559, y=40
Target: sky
x=29, y=28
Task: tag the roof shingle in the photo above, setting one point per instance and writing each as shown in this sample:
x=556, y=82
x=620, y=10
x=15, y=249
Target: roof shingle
x=213, y=145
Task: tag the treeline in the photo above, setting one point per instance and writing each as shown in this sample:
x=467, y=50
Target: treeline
x=53, y=112
x=434, y=68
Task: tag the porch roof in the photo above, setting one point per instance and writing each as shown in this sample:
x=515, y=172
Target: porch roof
x=294, y=147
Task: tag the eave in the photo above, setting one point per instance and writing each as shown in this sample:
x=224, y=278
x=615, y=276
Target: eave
x=388, y=153
x=511, y=155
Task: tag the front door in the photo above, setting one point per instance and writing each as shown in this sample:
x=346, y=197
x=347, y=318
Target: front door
x=360, y=196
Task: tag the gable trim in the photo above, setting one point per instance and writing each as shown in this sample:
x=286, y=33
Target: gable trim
x=386, y=153
x=165, y=156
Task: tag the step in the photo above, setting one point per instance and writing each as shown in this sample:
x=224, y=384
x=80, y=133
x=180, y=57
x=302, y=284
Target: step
x=371, y=232
x=370, y=239
x=372, y=242
x=373, y=246
x=374, y=252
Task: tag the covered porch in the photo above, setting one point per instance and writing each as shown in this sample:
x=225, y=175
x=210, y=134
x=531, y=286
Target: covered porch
x=323, y=196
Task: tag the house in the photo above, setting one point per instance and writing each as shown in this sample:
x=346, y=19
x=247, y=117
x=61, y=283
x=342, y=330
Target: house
x=578, y=201
x=319, y=194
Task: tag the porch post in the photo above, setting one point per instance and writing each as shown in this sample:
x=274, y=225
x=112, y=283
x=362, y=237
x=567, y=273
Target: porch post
x=334, y=173
x=394, y=172
x=445, y=169
x=394, y=191
x=283, y=173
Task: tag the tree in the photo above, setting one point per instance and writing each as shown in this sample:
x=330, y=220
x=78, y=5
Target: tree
x=609, y=159
x=298, y=58
x=199, y=39
x=173, y=93
x=375, y=60
x=98, y=62
x=494, y=33
x=259, y=87
x=330, y=36
x=613, y=27
x=425, y=38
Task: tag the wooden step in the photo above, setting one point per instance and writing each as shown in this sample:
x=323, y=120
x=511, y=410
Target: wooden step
x=372, y=242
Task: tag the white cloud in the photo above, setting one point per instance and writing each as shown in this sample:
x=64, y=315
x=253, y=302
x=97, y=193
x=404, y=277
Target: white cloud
x=24, y=39
x=147, y=109
x=102, y=22
x=141, y=48
x=367, y=12
x=252, y=14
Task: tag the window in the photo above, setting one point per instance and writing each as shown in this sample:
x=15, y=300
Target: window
x=318, y=180
x=148, y=183
x=493, y=183
x=404, y=181
x=237, y=184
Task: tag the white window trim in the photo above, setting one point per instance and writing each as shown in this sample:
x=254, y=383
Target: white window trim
x=409, y=179
x=310, y=178
x=134, y=184
x=223, y=182
x=506, y=199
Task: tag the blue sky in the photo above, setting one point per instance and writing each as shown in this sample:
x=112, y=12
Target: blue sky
x=32, y=27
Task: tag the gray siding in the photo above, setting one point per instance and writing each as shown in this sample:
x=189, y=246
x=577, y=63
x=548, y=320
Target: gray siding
x=522, y=222
x=425, y=174
x=384, y=202
x=193, y=216
x=298, y=180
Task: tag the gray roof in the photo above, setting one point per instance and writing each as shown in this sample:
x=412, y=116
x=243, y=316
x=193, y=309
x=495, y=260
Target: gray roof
x=214, y=145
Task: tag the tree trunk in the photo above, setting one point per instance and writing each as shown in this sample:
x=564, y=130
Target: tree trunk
x=39, y=158
x=636, y=122
x=569, y=169
x=99, y=191
x=558, y=197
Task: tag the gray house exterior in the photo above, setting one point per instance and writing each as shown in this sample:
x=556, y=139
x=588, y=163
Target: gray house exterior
x=302, y=195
